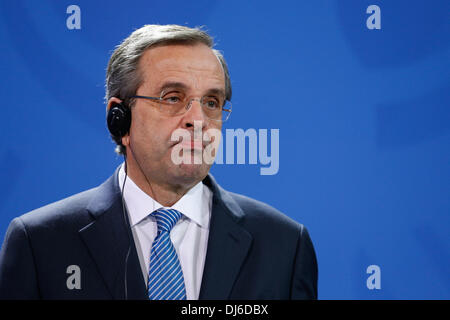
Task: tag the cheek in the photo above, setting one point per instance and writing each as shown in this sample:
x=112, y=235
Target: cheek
x=151, y=136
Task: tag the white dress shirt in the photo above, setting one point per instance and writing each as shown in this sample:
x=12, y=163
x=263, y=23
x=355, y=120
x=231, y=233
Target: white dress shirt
x=189, y=236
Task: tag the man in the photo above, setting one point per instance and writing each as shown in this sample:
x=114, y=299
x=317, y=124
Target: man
x=160, y=228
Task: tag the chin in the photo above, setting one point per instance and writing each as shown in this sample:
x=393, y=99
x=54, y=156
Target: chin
x=191, y=173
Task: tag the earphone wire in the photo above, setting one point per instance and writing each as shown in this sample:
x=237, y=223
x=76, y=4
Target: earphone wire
x=125, y=216
x=127, y=225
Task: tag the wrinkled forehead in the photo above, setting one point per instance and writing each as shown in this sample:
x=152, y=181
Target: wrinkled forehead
x=194, y=65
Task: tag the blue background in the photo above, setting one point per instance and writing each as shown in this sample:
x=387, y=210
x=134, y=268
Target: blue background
x=364, y=119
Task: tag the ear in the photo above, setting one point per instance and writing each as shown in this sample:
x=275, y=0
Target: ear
x=126, y=140
x=112, y=101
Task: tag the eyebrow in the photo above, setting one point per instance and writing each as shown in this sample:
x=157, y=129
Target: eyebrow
x=216, y=91
x=181, y=85
x=172, y=85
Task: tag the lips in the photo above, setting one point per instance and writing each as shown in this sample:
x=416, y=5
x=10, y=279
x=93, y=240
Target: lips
x=193, y=144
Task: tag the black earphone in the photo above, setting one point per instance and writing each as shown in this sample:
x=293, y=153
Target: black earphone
x=118, y=120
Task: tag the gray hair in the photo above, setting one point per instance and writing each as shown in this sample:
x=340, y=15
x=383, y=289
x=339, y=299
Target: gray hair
x=123, y=77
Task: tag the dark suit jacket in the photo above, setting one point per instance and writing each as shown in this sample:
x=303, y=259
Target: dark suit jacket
x=254, y=251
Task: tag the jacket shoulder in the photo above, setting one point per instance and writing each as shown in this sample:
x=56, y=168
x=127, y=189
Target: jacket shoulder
x=66, y=210
x=262, y=214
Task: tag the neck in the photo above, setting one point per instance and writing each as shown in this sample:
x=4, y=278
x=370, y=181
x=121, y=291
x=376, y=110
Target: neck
x=162, y=192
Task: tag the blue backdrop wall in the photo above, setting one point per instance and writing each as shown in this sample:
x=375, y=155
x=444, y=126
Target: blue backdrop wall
x=363, y=117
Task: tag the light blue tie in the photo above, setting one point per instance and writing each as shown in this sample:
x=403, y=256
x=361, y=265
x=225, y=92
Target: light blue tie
x=165, y=277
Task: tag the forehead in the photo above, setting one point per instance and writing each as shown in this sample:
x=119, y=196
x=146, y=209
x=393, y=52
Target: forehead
x=194, y=65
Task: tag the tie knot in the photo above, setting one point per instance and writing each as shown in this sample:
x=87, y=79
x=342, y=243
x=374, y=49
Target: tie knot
x=166, y=218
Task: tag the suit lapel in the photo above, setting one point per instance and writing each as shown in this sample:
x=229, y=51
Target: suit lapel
x=108, y=241
x=228, y=245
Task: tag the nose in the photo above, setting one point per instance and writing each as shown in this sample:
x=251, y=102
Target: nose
x=194, y=113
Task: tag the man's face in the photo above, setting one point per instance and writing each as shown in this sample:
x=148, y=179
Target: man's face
x=196, y=71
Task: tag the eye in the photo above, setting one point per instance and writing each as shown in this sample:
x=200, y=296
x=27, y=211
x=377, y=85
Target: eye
x=212, y=102
x=172, y=97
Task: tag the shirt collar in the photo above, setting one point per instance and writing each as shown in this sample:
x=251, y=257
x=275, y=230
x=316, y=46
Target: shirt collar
x=140, y=205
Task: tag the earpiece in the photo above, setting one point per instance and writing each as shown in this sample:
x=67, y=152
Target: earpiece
x=118, y=121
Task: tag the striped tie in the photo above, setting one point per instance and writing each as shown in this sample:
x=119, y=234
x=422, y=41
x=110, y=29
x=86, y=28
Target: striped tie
x=165, y=277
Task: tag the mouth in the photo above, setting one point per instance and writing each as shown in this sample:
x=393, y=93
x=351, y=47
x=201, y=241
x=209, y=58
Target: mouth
x=191, y=144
